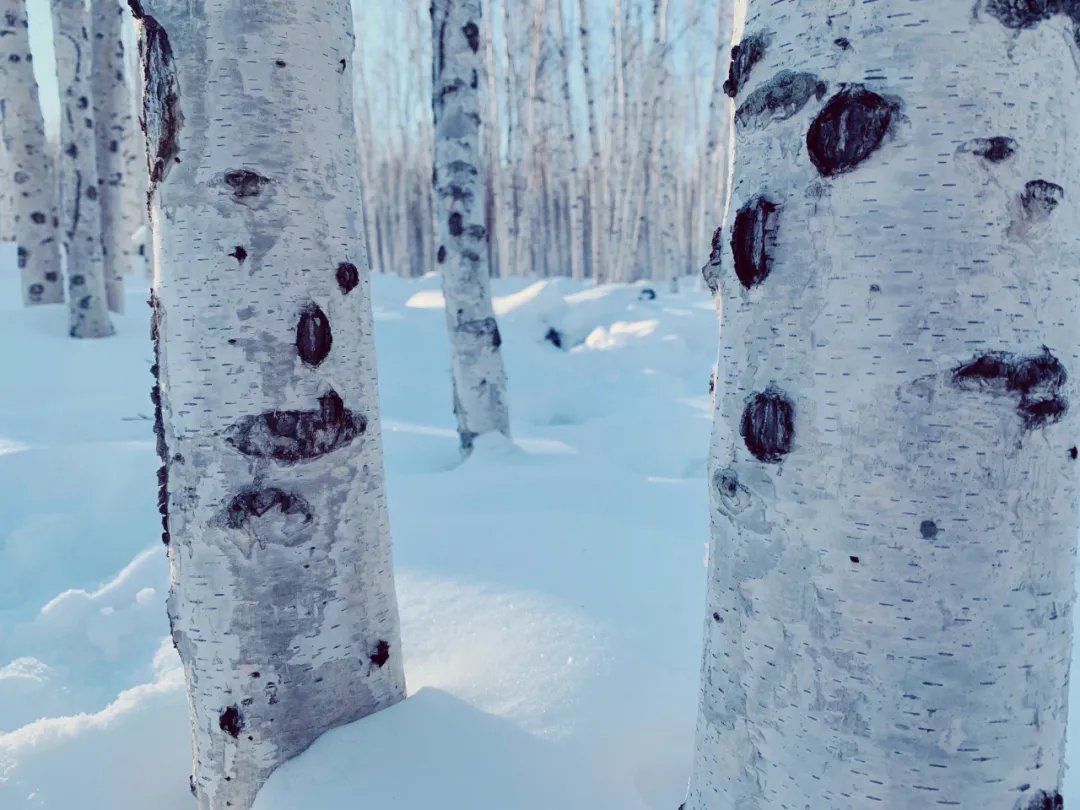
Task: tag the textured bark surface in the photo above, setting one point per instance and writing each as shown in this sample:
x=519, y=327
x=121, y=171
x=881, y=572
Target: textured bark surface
x=458, y=73
x=893, y=473
x=282, y=598
x=114, y=123
x=80, y=202
x=33, y=186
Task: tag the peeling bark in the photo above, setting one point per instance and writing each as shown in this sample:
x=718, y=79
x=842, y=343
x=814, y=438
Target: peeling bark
x=893, y=477
x=282, y=602
x=35, y=203
x=478, y=373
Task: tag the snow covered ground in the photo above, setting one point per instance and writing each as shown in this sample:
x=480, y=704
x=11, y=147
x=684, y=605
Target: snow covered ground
x=551, y=593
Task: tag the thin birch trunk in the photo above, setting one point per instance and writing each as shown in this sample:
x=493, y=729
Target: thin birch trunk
x=596, y=196
x=894, y=464
x=113, y=123
x=282, y=602
x=34, y=184
x=79, y=194
x=476, y=360
x=575, y=186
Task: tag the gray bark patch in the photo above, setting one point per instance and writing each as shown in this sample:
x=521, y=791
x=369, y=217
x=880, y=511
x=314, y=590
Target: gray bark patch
x=849, y=128
x=239, y=254
x=753, y=240
x=256, y=502
x=484, y=330
x=743, y=58
x=778, y=99
x=161, y=101
x=995, y=149
x=245, y=184
x=768, y=426
x=1037, y=380
x=290, y=437
x=711, y=271
x=347, y=277
x=1021, y=14
x=314, y=338
x=734, y=497
x=1039, y=199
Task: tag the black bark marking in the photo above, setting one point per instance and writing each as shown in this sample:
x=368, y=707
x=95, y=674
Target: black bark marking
x=554, y=337
x=743, y=58
x=753, y=240
x=472, y=35
x=36, y=291
x=37, y=218
x=1044, y=801
x=647, y=294
x=853, y=558
x=347, y=277
x=484, y=330
x=1037, y=379
x=778, y=99
x=245, y=184
x=1073, y=453
x=440, y=257
x=1040, y=198
x=456, y=227
x=231, y=721
x=849, y=128
x=294, y=436
x=381, y=654
x=712, y=269
x=342, y=65
x=159, y=419
x=768, y=426
x=928, y=529
x=313, y=335
x=842, y=43
x=1021, y=14
x=734, y=497
x=239, y=254
x=994, y=149
x=162, y=117
x=255, y=502
x=279, y=63
x=22, y=257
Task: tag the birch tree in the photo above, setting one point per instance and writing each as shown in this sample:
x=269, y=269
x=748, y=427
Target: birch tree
x=282, y=601
x=33, y=188
x=458, y=71
x=113, y=124
x=80, y=214
x=893, y=469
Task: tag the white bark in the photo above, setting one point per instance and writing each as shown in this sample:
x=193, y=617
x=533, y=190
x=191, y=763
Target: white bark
x=34, y=189
x=458, y=71
x=282, y=601
x=893, y=474
x=80, y=201
x=114, y=122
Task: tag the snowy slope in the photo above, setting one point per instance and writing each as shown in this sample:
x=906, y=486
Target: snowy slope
x=550, y=591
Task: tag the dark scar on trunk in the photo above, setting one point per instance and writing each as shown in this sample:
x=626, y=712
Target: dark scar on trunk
x=484, y=329
x=768, y=426
x=928, y=529
x=1042, y=800
x=995, y=149
x=256, y=502
x=245, y=184
x=381, y=654
x=753, y=240
x=743, y=58
x=347, y=277
x=314, y=338
x=1021, y=14
x=161, y=119
x=1039, y=199
x=472, y=35
x=159, y=420
x=231, y=721
x=849, y=128
x=734, y=497
x=290, y=437
x=1037, y=380
x=778, y=99
x=239, y=254
x=712, y=269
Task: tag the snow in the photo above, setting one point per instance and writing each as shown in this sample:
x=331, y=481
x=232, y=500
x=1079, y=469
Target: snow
x=551, y=590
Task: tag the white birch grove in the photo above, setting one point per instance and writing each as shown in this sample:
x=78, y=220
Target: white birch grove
x=893, y=469
x=476, y=360
x=32, y=183
x=114, y=122
x=581, y=144
x=282, y=602
x=80, y=201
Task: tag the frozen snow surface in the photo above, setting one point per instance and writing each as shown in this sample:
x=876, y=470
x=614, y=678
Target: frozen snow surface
x=551, y=590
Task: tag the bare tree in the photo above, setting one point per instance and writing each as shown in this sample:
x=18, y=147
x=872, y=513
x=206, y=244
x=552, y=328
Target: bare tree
x=894, y=462
x=272, y=497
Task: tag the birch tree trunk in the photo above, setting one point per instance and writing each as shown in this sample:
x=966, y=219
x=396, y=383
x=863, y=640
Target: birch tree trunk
x=113, y=122
x=282, y=602
x=79, y=195
x=893, y=472
x=34, y=190
x=458, y=72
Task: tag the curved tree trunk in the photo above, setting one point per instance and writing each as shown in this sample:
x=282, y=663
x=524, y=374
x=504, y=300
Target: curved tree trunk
x=893, y=474
x=34, y=190
x=282, y=603
x=458, y=71
x=80, y=201
x=114, y=122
